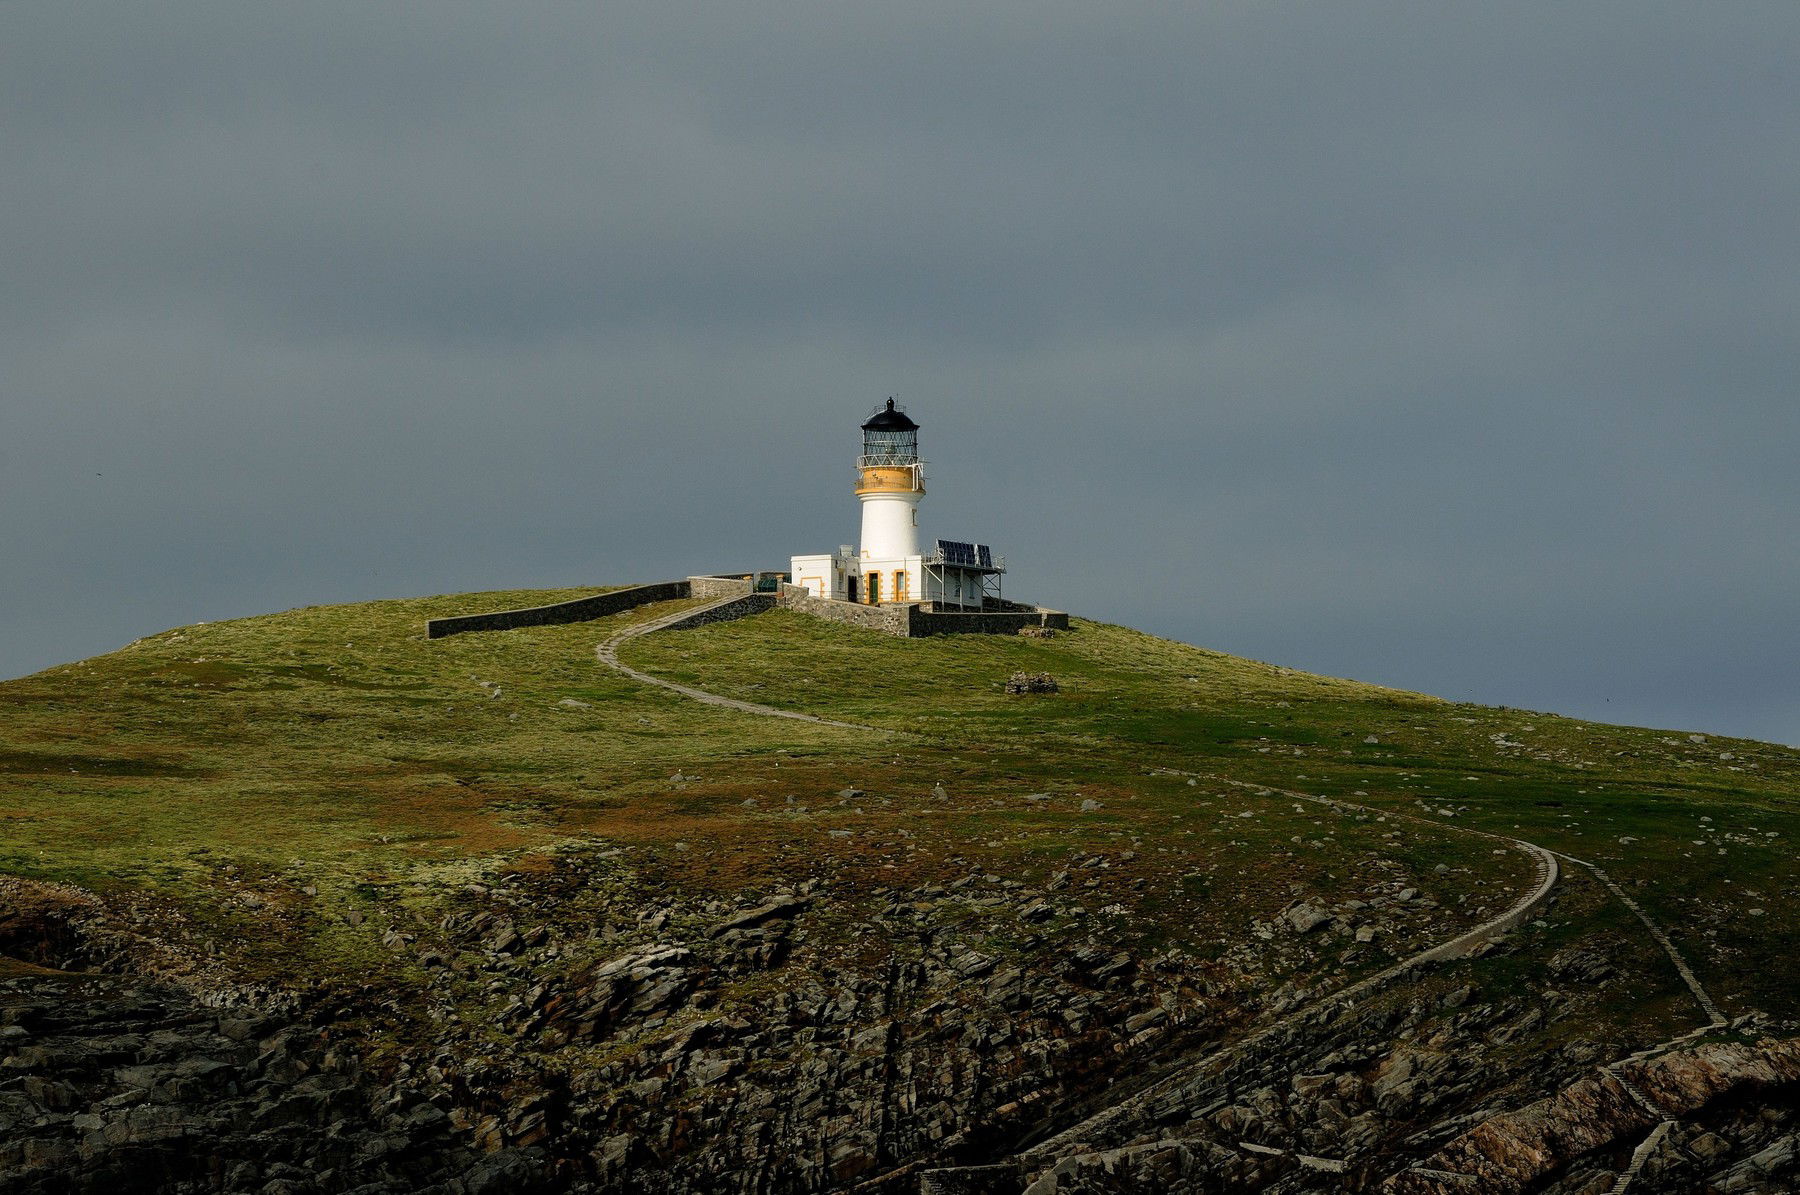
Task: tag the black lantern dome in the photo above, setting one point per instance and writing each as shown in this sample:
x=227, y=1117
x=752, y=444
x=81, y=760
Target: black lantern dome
x=890, y=438
x=889, y=419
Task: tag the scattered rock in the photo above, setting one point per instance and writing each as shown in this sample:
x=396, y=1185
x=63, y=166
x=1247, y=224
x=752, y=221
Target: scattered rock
x=1306, y=918
x=780, y=906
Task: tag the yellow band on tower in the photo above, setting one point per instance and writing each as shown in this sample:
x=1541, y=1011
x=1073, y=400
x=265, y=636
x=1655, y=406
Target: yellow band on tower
x=889, y=479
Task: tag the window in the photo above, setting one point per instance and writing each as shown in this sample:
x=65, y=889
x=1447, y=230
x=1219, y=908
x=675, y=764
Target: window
x=899, y=585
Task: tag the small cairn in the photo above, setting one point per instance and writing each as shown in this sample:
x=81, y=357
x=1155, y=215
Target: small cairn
x=1031, y=682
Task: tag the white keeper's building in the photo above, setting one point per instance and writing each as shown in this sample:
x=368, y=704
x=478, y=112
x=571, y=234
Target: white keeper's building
x=889, y=565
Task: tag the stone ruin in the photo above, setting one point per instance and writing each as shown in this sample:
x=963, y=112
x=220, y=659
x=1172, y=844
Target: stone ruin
x=1031, y=682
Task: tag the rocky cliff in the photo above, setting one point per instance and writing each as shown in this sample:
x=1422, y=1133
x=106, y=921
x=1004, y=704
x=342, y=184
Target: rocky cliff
x=942, y=1068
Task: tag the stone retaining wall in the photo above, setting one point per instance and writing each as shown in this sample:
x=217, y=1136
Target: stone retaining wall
x=994, y=603
x=579, y=610
x=889, y=620
x=721, y=585
x=915, y=620
x=743, y=607
x=908, y=620
x=987, y=622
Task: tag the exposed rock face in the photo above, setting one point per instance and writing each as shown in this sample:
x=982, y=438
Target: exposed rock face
x=631, y=987
x=110, y=1086
x=1518, y=1150
x=924, y=1057
x=1733, y=1130
x=831, y=1079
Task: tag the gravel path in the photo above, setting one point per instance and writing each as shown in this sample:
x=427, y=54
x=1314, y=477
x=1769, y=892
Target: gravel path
x=1700, y=994
x=608, y=654
x=1544, y=879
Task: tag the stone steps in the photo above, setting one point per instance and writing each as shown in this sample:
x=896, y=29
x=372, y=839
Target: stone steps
x=1640, y=1155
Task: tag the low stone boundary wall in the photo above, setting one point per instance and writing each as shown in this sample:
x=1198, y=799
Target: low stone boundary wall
x=743, y=607
x=889, y=620
x=579, y=610
x=721, y=585
x=986, y=622
x=908, y=620
x=915, y=620
x=994, y=603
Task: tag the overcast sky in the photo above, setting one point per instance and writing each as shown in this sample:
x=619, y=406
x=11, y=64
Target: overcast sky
x=1446, y=346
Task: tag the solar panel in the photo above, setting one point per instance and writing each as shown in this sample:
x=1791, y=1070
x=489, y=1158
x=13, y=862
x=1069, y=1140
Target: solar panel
x=956, y=552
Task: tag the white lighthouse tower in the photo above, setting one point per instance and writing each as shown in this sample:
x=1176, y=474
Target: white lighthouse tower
x=888, y=565
x=890, y=480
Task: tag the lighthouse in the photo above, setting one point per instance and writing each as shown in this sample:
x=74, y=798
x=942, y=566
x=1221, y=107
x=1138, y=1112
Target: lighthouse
x=889, y=565
x=890, y=480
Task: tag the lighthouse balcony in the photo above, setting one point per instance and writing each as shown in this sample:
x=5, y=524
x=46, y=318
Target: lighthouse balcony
x=885, y=459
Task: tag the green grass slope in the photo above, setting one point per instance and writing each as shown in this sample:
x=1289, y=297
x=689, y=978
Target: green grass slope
x=281, y=789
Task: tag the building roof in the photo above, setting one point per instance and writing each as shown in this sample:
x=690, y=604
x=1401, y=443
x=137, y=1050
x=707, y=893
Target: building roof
x=889, y=420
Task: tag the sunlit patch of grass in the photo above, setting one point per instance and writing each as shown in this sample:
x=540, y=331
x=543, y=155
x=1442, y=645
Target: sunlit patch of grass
x=336, y=748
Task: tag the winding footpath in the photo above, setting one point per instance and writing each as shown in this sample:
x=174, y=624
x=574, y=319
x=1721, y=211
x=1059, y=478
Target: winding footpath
x=1545, y=875
x=1715, y=1018
x=608, y=654
x=1077, y=1137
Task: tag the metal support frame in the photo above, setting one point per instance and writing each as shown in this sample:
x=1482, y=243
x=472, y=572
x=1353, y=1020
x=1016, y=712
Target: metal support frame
x=990, y=581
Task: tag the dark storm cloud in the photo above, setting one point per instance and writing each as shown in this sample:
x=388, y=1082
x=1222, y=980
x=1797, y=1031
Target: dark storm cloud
x=1451, y=350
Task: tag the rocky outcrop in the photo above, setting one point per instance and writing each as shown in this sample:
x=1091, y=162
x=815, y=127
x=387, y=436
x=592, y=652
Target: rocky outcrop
x=118, y=1087
x=1518, y=1150
x=808, y=1039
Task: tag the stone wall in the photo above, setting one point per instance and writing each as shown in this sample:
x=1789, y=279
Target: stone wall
x=743, y=607
x=916, y=620
x=579, y=610
x=889, y=620
x=907, y=620
x=720, y=585
x=922, y=622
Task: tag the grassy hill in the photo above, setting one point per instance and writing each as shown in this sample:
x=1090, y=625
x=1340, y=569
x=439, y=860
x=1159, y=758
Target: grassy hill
x=286, y=797
x=336, y=747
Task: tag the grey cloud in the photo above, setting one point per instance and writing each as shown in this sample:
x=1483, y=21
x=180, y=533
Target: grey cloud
x=1447, y=350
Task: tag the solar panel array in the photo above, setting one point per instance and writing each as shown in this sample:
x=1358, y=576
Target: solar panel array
x=956, y=552
x=968, y=555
